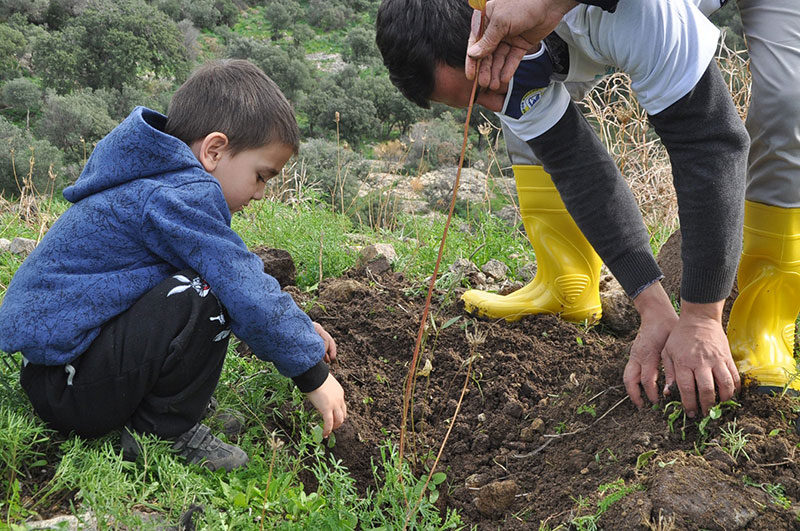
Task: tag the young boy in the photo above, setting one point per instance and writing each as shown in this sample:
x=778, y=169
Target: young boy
x=667, y=48
x=123, y=311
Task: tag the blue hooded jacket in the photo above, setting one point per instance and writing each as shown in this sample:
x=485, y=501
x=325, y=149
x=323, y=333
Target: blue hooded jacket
x=144, y=208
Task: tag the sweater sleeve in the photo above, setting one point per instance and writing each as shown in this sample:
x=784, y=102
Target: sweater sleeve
x=707, y=145
x=598, y=199
x=187, y=226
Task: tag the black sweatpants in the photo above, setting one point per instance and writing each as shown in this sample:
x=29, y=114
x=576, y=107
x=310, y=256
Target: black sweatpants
x=153, y=368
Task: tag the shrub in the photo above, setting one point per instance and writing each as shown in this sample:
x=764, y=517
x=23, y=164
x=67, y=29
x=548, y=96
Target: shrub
x=12, y=47
x=337, y=172
x=75, y=122
x=17, y=146
x=22, y=95
x=434, y=143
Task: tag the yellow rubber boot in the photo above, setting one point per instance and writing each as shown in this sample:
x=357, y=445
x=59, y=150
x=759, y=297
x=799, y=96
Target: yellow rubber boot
x=762, y=321
x=568, y=272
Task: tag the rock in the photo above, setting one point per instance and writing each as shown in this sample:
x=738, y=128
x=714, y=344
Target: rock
x=578, y=459
x=5, y=245
x=495, y=269
x=87, y=522
x=619, y=313
x=343, y=290
x=510, y=214
x=496, y=498
x=527, y=271
x=476, y=480
x=537, y=425
x=513, y=409
x=22, y=246
x=375, y=251
x=470, y=272
x=377, y=258
x=278, y=264
x=716, y=501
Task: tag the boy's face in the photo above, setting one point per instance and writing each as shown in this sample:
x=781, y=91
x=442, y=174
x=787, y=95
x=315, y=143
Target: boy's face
x=453, y=89
x=244, y=176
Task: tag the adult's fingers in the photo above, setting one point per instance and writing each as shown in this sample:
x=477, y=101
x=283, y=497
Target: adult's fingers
x=485, y=71
x=704, y=379
x=338, y=417
x=669, y=374
x=649, y=380
x=511, y=63
x=685, y=379
x=725, y=382
x=498, y=62
x=494, y=33
x=734, y=372
x=631, y=378
x=471, y=64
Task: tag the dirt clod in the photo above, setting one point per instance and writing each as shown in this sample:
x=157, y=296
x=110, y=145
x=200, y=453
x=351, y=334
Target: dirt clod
x=496, y=498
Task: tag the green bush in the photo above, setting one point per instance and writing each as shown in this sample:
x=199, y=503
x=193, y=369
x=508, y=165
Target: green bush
x=434, y=143
x=12, y=47
x=22, y=96
x=17, y=147
x=336, y=172
x=75, y=122
x=290, y=71
x=110, y=44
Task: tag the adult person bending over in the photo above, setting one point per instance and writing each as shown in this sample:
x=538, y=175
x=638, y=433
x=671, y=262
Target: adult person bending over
x=761, y=329
x=678, y=83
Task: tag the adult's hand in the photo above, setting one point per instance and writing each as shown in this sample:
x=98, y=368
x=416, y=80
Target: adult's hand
x=522, y=24
x=698, y=359
x=658, y=320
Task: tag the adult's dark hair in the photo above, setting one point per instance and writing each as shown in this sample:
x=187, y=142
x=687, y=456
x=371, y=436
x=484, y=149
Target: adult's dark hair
x=235, y=97
x=414, y=36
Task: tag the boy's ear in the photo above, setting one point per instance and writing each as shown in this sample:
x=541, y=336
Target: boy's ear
x=209, y=150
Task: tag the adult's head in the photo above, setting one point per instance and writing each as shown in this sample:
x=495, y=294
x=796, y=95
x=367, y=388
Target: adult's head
x=416, y=36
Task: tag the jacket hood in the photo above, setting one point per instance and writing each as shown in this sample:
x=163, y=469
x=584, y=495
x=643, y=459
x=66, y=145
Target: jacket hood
x=137, y=148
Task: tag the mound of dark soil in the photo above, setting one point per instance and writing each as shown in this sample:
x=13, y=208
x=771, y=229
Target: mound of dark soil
x=545, y=434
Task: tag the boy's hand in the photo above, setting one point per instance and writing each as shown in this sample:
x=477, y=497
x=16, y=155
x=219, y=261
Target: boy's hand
x=328, y=399
x=330, y=344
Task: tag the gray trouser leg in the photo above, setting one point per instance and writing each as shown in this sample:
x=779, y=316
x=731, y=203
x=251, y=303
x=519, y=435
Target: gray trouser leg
x=772, y=30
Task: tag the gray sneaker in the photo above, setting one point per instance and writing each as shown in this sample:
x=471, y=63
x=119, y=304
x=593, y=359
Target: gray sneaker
x=197, y=446
x=227, y=421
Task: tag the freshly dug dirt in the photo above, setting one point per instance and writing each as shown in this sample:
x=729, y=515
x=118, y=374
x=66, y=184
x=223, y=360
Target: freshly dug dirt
x=545, y=434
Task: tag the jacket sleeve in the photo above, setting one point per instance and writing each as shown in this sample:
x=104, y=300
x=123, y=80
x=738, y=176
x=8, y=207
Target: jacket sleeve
x=187, y=226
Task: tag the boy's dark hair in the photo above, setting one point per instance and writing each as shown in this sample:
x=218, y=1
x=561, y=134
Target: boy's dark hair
x=414, y=36
x=234, y=97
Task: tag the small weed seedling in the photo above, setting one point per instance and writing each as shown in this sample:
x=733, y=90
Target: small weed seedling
x=610, y=493
x=776, y=492
x=588, y=409
x=735, y=440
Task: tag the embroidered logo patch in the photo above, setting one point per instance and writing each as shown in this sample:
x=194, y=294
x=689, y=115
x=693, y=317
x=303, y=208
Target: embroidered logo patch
x=530, y=99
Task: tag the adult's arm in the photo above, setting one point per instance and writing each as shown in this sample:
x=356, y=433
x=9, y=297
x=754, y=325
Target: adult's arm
x=602, y=205
x=707, y=146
